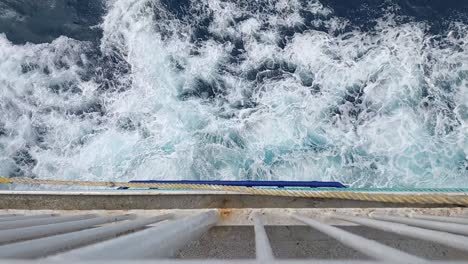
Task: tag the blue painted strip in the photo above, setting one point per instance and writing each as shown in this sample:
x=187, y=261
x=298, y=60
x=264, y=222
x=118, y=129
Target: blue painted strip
x=280, y=184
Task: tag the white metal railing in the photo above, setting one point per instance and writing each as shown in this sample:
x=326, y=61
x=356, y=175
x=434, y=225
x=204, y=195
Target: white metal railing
x=133, y=238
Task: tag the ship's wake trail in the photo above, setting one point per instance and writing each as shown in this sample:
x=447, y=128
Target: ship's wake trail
x=261, y=90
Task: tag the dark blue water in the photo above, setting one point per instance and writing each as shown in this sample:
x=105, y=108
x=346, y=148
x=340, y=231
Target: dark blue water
x=370, y=93
x=44, y=21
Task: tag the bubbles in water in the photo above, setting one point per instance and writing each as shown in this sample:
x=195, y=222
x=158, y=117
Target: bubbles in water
x=265, y=90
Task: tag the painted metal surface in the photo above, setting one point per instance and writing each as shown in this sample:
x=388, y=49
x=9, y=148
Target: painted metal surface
x=280, y=184
x=160, y=241
x=262, y=244
x=366, y=246
x=162, y=234
x=456, y=241
x=251, y=231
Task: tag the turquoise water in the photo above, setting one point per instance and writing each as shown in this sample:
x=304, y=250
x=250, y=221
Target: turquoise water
x=369, y=94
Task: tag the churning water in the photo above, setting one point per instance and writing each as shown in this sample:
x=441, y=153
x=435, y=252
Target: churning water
x=369, y=93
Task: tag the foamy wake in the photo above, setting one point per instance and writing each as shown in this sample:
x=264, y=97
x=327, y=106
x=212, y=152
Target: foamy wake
x=271, y=90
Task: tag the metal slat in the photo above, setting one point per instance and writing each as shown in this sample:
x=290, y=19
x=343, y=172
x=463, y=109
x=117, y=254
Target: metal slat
x=366, y=246
x=43, y=221
x=448, y=219
x=213, y=261
x=23, y=217
x=451, y=240
x=262, y=244
x=17, y=234
x=6, y=216
x=50, y=245
x=161, y=241
x=447, y=227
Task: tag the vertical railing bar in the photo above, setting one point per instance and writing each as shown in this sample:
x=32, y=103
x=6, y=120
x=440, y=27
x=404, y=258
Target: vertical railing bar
x=447, y=219
x=161, y=241
x=451, y=240
x=366, y=246
x=262, y=244
x=45, y=246
x=17, y=234
x=434, y=225
x=43, y=221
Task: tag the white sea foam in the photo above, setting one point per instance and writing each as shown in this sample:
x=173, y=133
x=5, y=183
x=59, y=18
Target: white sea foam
x=381, y=108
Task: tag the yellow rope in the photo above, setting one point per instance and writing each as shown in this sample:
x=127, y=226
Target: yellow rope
x=5, y=180
x=410, y=198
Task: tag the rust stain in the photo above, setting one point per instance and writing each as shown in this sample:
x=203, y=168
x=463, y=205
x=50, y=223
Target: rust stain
x=224, y=202
x=224, y=213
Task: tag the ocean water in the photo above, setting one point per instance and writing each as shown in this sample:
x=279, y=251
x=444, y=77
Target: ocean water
x=368, y=93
